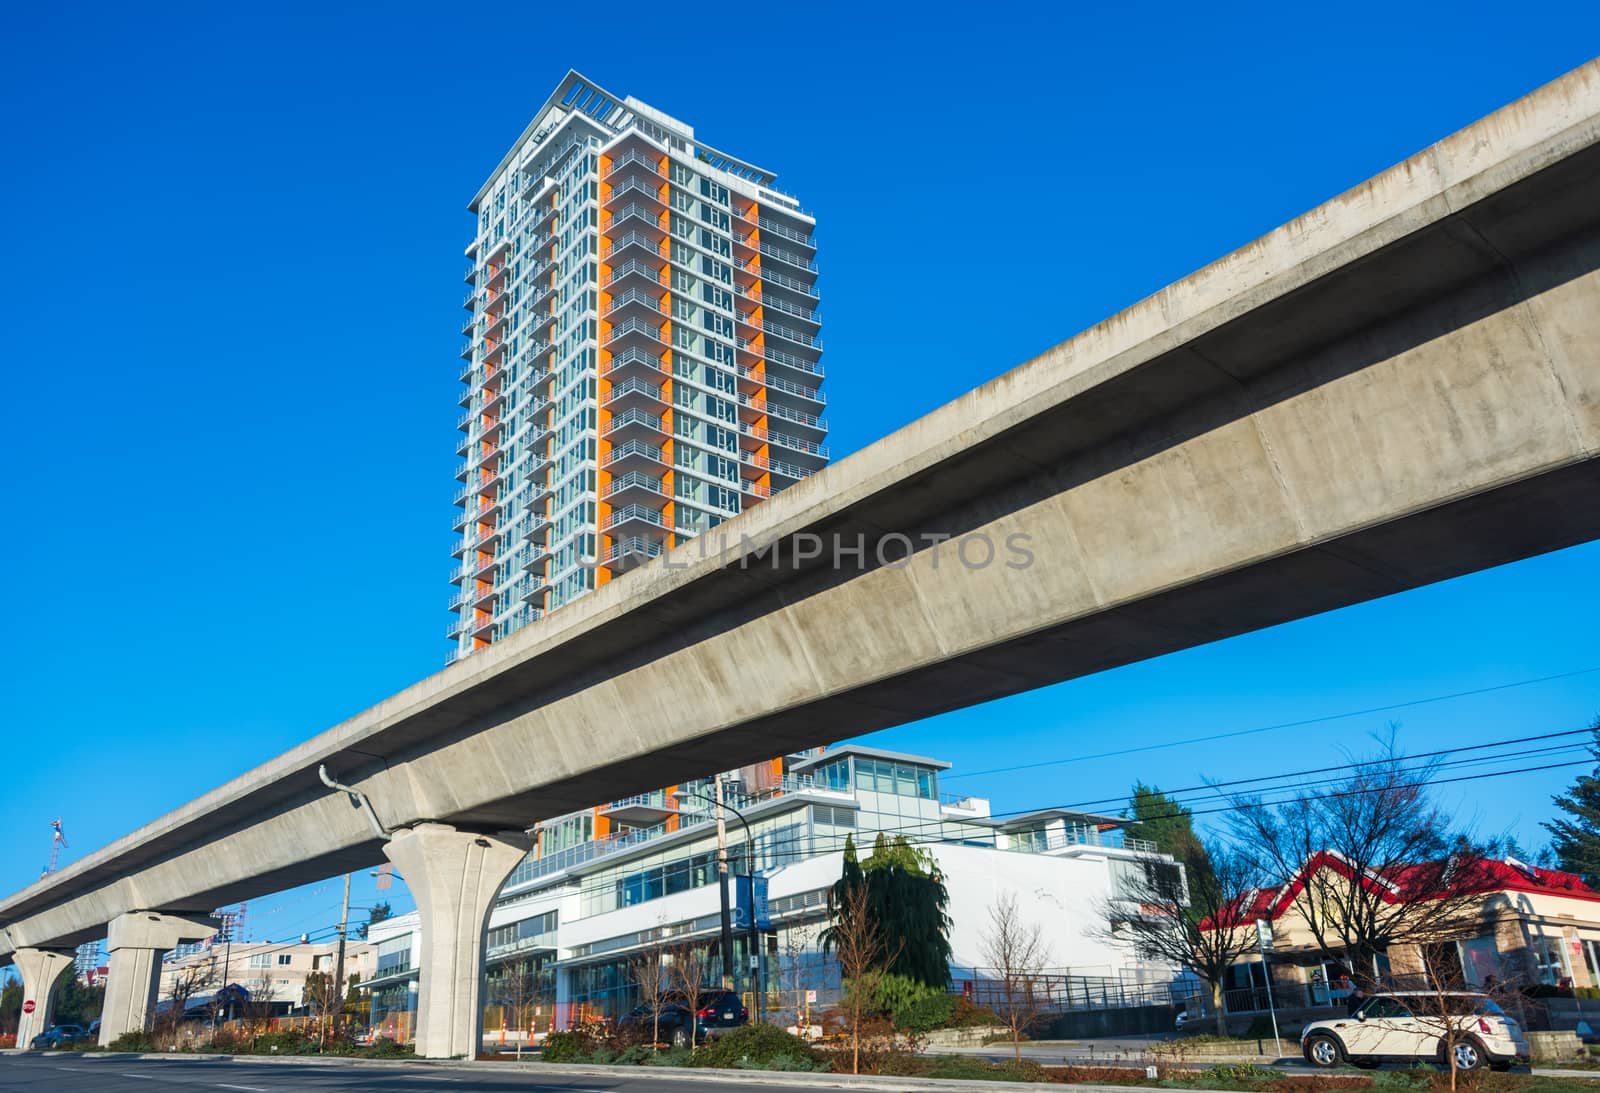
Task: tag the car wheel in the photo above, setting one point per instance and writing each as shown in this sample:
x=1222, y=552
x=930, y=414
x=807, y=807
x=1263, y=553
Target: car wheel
x=680, y=1037
x=1468, y=1054
x=1324, y=1051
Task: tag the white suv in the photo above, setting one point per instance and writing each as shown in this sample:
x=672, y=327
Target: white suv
x=1404, y=1026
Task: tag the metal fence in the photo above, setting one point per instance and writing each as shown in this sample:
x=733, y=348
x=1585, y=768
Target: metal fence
x=1054, y=993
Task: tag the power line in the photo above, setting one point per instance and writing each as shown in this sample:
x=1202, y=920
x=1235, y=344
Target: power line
x=1277, y=727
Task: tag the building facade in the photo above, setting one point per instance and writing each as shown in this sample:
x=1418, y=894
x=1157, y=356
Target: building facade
x=642, y=362
x=572, y=916
x=1519, y=926
x=274, y=974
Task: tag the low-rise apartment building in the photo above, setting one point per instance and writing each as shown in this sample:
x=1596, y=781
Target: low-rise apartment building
x=1520, y=925
x=573, y=913
x=273, y=973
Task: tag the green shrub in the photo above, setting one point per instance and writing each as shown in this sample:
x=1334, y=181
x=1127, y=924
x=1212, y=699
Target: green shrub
x=563, y=1047
x=672, y=1056
x=912, y=1006
x=132, y=1041
x=757, y=1047
x=385, y=1048
x=965, y=1013
x=1242, y=1072
x=287, y=1042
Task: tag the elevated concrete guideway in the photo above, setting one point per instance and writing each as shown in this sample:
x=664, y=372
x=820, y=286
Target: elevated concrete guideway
x=1401, y=386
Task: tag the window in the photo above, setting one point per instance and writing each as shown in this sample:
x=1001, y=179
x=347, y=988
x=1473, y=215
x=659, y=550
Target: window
x=1382, y=1009
x=285, y=959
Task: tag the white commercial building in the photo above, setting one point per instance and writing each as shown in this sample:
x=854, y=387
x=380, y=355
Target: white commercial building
x=569, y=918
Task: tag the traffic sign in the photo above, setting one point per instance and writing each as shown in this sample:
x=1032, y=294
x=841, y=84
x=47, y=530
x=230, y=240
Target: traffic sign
x=27, y=1007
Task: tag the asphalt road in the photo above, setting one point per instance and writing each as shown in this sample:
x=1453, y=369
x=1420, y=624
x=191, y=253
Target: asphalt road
x=67, y=1073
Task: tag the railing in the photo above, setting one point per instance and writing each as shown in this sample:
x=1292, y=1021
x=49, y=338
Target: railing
x=634, y=326
x=789, y=470
x=785, y=256
x=635, y=211
x=637, y=184
x=778, y=356
x=629, y=513
x=802, y=238
x=792, y=334
x=634, y=387
x=634, y=480
x=788, y=387
x=633, y=544
x=635, y=447
x=629, y=157
x=631, y=266
x=799, y=417
x=692, y=812
x=635, y=296
x=797, y=444
x=789, y=309
x=634, y=356
x=1254, y=999
x=634, y=417
x=789, y=282
x=1052, y=992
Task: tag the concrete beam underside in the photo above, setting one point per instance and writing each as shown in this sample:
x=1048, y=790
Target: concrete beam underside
x=1400, y=387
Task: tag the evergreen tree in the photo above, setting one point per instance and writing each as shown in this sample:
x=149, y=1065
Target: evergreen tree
x=907, y=899
x=1576, y=840
x=376, y=914
x=1170, y=826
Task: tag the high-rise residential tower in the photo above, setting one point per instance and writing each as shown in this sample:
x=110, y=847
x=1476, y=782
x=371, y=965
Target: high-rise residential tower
x=643, y=355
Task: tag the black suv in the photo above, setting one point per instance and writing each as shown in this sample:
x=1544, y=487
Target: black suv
x=720, y=1010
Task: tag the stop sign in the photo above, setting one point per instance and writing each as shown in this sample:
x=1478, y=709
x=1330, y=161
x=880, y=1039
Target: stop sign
x=27, y=1007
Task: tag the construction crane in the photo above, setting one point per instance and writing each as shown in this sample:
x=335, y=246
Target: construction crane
x=57, y=841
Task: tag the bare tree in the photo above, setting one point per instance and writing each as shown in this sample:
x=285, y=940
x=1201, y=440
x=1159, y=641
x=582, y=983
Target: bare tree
x=687, y=972
x=1192, y=914
x=796, y=947
x=513, y=985
x=187, y=981
x=321, y=995
x=1452, y=1008
x=863, y=952
x=1370, y=861
x=1015, y=949
x=649, y=980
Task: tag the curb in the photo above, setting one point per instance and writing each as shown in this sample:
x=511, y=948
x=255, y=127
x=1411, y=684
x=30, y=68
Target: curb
x=592, y=1070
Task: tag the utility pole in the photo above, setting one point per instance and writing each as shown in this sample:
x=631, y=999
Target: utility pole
x=722, y=877
x=338, y=964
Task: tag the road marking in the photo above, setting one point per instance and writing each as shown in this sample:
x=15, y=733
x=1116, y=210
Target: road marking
x=250, y=1088
x=434, y=1078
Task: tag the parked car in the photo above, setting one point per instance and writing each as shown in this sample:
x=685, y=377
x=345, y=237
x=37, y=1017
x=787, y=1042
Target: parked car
x=719, y=1011
x=58, y=1036
x=1405, y=1026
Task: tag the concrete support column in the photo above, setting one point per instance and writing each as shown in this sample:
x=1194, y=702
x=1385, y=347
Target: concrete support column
x=39, y=968
x=454, y=877
x=136, y=941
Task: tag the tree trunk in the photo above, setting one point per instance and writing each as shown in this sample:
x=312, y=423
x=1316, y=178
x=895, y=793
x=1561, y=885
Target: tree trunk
x=1218, y=1007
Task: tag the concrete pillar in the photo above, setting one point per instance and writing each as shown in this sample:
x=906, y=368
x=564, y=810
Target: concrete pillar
x=454, y=877
x=39, y=968
x=136, y=941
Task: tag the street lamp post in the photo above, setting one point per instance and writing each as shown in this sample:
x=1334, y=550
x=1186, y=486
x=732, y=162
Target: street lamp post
x=750, y=871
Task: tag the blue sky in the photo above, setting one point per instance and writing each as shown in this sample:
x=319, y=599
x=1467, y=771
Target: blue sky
x=233, y=271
